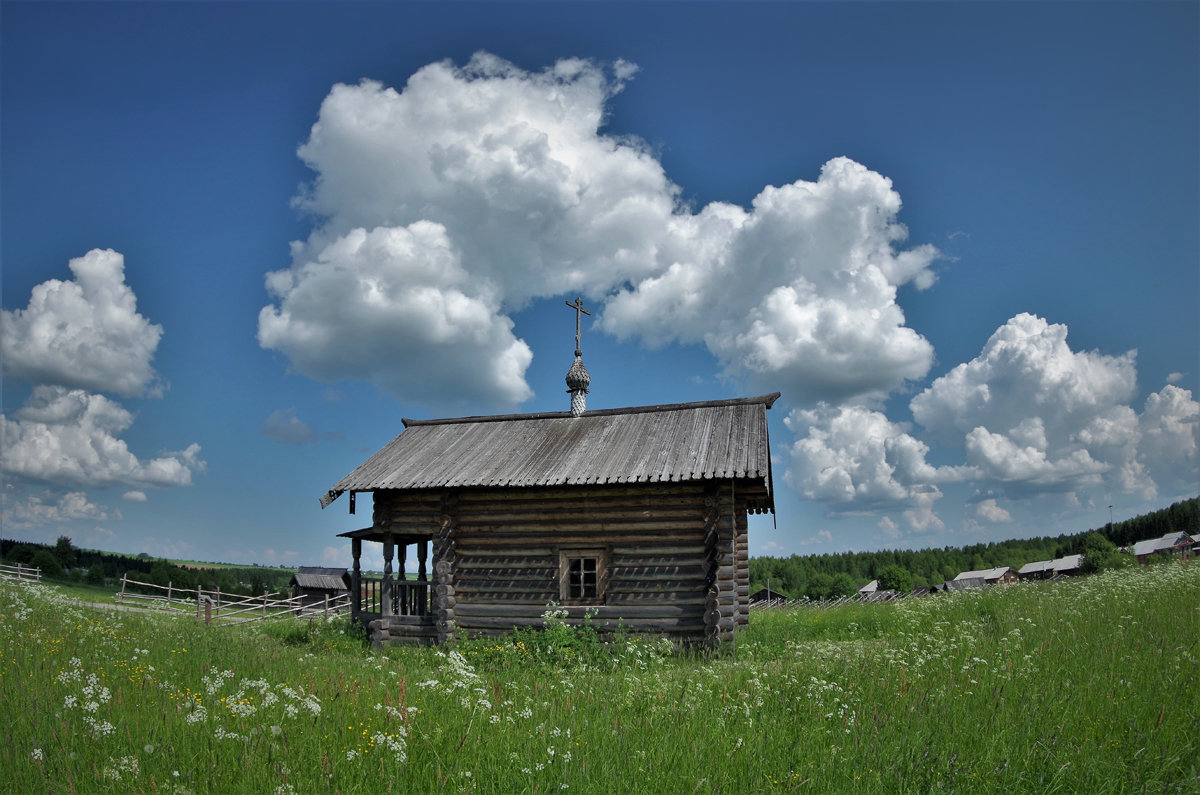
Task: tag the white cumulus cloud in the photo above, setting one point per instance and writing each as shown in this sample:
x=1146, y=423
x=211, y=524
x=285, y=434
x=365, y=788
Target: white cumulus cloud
x=84, y=333
x=990, y=510
x=1029, y=416
x=37, y=510
x=799, y=291
x=443, y=207
x=1170, y=438
x=1034, y=415
x=70, y=436
x=854, y=458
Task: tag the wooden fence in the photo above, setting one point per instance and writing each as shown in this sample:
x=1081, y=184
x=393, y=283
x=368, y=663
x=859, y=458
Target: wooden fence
x=776, y=604
x=16, y=572
x=225, y=609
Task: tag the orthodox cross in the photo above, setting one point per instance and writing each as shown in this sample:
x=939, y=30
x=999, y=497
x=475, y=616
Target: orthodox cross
x=578, y=307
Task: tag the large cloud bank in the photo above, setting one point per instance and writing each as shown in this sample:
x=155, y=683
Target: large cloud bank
x=76, y=339
x=1030, y=417
x=445, y=206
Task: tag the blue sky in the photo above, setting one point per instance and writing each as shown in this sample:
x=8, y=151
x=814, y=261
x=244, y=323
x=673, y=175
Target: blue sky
x=241, y=241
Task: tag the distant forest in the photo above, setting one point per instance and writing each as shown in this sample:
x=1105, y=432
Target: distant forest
x=66, y=561
x=823, y=576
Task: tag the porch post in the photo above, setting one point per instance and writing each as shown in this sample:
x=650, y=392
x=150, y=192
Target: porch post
x=402, y=575
x=389, y=546
x=356, y=578
x=422, y=557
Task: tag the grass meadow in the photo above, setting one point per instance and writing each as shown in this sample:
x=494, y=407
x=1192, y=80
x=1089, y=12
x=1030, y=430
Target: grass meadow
x=1089, y=685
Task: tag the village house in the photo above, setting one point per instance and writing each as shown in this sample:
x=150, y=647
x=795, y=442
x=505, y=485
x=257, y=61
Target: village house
x=1177, y=544
x=1001, y=575
x=1065, y=566
x=632, y=518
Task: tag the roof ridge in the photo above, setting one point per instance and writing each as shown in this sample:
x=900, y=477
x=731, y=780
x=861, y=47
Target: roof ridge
x=768, y=400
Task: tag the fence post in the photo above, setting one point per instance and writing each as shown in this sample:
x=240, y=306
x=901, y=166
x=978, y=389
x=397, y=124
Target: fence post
x=168, y=593
x=325, y=612
x=124, y=577
x=199, y=601
x=208, y=614
x=264, y=602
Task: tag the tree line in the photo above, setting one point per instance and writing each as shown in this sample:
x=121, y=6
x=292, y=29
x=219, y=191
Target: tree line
x=63, y=560
x=833, y=575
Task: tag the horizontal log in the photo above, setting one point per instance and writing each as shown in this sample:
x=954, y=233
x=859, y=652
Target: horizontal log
x=538, y=574
x=503, y=512
x=539, y=600
x=579, y=523
x=666, y=590
x=621, y=599
x=525, y=612
x=477, y=587
x=632, y=624
x=477, y=556
x=651, y=547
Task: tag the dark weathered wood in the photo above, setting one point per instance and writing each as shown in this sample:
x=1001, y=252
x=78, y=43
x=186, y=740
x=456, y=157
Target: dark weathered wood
x=498, y=553
x=661, y=625
x=577, y=612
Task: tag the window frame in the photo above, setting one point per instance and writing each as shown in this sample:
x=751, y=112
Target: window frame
x=565, y=558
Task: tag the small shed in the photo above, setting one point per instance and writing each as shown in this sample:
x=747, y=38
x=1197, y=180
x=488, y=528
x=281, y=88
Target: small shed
x=314, y=584
x=767, y=596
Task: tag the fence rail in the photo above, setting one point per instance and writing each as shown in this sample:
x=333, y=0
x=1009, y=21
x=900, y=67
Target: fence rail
x=19, y=573
x=775, y=604
x=227, y=609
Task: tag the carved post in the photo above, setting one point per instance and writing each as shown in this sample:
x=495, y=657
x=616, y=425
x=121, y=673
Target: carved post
x=356, y=578
x=401, y=580
x=385, y=608
x=422, y=577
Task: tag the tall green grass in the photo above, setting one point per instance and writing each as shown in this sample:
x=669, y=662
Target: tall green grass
x=1090, y=685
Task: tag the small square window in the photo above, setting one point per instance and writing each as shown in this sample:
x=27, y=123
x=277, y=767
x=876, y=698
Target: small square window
x=581, y=573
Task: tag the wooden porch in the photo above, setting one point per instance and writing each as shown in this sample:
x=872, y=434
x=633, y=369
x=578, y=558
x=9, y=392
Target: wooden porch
x=394, y=609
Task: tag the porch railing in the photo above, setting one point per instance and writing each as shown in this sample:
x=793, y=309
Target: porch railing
x=409, y=597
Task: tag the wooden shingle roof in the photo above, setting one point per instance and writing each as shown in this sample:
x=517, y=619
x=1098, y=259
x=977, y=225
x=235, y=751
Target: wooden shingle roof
x=320, y=578
x=719, y=439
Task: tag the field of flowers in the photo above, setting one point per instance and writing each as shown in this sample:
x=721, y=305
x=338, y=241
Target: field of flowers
x=1090, y=685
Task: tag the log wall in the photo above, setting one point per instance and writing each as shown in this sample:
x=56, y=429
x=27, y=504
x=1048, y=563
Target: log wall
x=674, y=557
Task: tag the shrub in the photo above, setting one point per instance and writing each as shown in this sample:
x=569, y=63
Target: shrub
x=45, y=560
